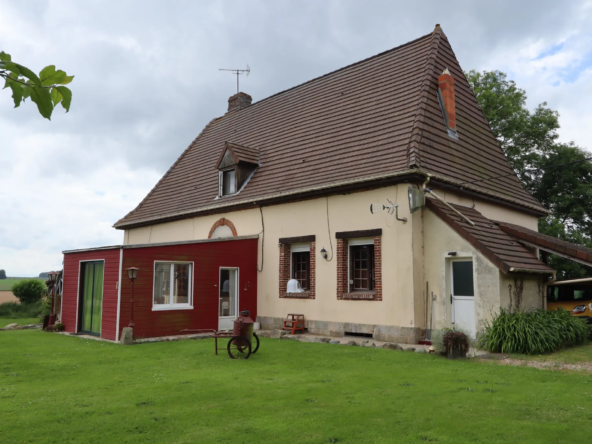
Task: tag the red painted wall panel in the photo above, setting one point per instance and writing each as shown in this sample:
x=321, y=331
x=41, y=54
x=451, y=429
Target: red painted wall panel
x=208, y=258
x=110, y=292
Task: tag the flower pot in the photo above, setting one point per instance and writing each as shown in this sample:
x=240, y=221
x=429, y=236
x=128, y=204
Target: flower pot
x=456, y=353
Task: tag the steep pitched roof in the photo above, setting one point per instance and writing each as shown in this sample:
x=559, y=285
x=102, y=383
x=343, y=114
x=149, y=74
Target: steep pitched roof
x=370, y=122
x=503, y=250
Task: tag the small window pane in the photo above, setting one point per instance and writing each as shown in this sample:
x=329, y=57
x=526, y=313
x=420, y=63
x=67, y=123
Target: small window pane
x=300, y=269
x=182, y=273
x=462, y=278
x=229, y=182
x=361, y=268
x=162, y=284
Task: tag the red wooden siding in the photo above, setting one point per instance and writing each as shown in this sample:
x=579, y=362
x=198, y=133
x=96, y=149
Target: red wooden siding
x=208, y=258
x=110, y=292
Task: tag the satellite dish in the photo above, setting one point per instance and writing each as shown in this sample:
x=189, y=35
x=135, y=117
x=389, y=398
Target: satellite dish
x=416, y=198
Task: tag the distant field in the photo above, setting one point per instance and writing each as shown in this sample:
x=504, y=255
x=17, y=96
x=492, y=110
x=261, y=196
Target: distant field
x=6, y=284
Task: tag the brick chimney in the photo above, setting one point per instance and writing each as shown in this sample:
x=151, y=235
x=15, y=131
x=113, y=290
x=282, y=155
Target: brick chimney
x=239, y=101
x=446, y=86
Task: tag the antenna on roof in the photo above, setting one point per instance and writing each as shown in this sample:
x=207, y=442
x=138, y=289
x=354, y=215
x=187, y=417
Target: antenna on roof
x=238, y=72
x=392, y=208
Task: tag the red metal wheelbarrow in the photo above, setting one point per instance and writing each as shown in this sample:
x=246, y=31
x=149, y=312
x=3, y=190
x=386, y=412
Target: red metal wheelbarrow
x=243, y=341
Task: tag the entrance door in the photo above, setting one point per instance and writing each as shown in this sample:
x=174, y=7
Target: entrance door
x=463, y=296
x=91, y=298
x=228, y=298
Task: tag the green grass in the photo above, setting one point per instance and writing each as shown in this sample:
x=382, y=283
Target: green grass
x=573, y=355
x=6, y=284
x=5, y=320
x=64, y=389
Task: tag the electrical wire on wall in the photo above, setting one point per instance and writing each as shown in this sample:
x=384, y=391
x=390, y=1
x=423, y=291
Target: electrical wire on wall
x=329, y=231
x=262, y=232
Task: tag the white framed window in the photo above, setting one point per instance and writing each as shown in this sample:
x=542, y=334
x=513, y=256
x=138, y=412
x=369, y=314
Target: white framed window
x=360, y=268
x=173, y=286
x=227, y=182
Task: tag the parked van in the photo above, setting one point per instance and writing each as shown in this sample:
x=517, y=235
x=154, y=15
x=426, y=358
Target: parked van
x=576, y=298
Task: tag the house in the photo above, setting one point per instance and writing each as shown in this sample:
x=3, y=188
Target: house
x=281, y=190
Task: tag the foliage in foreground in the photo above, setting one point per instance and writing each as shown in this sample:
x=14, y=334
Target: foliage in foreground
x=29, y=291
x=533, y=332
x=47, y=89
x=14, y=310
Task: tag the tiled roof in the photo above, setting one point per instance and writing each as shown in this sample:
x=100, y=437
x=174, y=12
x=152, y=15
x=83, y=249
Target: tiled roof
x=503, y=250
x=242, y=153
x=548, y=243
x=375, y=120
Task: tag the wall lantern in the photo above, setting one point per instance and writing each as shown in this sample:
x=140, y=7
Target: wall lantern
x=324, y=253
x=132, y=273
x=53, y=276
x=452, y=253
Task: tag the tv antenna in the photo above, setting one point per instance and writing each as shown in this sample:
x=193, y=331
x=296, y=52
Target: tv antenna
x=392, y=208
x=238, y=72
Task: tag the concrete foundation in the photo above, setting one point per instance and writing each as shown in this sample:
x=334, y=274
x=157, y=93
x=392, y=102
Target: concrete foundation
x=386, y=333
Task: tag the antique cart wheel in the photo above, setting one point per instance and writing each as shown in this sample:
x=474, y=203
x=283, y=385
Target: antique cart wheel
x=255, y=343
x=239, y=347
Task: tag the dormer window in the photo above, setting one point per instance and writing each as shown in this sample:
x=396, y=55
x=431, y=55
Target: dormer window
x=227, y=182
x=236, y=166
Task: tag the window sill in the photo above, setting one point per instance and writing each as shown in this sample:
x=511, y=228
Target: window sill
x=303, y=295
x=359, y=296
x=172, y=307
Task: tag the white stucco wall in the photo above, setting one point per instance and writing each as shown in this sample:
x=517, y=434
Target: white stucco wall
x=412, y=253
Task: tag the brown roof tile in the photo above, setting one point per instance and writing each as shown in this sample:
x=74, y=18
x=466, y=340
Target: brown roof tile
x=551, y=244
x=378, y=118
x=503, y=250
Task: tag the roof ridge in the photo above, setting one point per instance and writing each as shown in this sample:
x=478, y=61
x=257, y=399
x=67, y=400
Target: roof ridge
x=167, y=173
x=413, y=151
x=335, y=71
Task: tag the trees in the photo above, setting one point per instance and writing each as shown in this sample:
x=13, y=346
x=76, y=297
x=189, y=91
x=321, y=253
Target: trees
x=28, y=291
x=46, y=90
x=2, y=274
x=559, y=175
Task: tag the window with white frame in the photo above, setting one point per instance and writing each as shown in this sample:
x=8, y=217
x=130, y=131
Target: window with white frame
x=172, y=285
x=361, y=265
x=227, y=184
x=300, y=264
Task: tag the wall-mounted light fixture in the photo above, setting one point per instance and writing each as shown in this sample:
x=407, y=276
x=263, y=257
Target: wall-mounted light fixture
x=324, y=253
x=132, y=274
x=452, y=253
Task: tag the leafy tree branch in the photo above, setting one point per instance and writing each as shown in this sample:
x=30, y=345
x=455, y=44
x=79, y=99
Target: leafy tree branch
x=46, y=90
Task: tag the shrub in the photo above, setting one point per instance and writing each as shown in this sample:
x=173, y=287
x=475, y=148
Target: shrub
x=438, y=342
x=14, y=310
x=28, y=291
x=533, y=332
x=59, y=326
x=455, y=340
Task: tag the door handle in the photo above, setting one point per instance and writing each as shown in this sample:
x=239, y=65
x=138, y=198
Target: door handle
x=450, y=298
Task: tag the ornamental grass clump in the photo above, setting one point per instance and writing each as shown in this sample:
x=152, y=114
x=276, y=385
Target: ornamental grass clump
x=533, y=332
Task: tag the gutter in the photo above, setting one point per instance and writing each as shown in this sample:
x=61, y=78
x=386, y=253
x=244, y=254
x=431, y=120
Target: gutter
x=571, y=281
x=529, y=271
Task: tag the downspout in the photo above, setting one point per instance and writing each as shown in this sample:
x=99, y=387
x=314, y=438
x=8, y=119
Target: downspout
x=119, y=294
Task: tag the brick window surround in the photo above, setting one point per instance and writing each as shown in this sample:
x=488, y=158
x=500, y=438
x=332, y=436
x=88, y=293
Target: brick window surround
x=285, y=245
x=343, y=265
x=221, y=222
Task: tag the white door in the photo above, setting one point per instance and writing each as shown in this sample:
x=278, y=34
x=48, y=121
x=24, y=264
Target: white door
x=463, y=295
x=228, y=301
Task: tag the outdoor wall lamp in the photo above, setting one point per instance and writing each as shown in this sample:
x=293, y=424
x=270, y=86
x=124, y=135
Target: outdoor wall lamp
x=53, y=276
x=324, y=253
x=132, y=273
x=452, y=253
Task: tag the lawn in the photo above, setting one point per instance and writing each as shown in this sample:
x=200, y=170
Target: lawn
x=5, y=320
x=573, y=355
x=64, y=389
x=6, y=284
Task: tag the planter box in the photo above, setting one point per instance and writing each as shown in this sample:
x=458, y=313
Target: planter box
x=457, y=353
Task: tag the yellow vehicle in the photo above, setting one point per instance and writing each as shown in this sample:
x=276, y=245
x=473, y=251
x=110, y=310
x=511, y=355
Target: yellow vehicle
x=574, y=297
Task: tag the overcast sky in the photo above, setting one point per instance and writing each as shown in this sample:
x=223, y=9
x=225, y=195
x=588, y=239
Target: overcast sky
x=147, y=82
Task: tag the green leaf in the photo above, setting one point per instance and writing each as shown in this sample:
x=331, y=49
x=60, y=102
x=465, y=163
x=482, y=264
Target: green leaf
x=12, y=67
x=4, y=57
x=17, y=93
x=67, y=97
x=42, y=98
x=49, y=76
x=56, y=96
x=26, y=91
x=28, y=74
x=67, y=80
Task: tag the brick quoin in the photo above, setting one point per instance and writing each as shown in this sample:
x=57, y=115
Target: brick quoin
x=221, y=222
x=285, y=252
x=342, y=270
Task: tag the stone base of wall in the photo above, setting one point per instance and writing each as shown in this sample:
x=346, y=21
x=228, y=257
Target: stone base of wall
x=386, y=333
